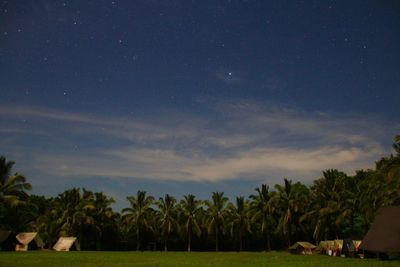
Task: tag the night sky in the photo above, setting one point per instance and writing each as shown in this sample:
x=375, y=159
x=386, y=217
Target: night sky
x=193, y=97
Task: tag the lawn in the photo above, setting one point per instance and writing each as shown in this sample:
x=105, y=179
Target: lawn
x=124, y=259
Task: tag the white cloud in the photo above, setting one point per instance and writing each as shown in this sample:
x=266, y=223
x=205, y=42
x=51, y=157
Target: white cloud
x=242, y=140
x=156, y=164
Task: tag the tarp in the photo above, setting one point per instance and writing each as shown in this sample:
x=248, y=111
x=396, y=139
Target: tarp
x=65, y=243
x=26, y=238
x=384, y=234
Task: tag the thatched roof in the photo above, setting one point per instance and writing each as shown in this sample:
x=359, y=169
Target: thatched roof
x=384, y=234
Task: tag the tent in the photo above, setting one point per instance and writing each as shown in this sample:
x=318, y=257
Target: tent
x=302, y=248
x=7, y=241
x=65, y=244
x=339, y=244
x=4, y=235
x=357, y=244
x=350, y=247
x=25, y=241
x=384, y=234
x=326, y=247
x=331, y=247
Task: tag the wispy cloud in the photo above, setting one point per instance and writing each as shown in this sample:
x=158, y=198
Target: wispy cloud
x=243, y=140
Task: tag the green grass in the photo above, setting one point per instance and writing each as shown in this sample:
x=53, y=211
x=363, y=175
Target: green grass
x=124, y=259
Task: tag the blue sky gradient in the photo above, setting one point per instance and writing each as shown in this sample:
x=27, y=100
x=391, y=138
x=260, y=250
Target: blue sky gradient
x=195, y=96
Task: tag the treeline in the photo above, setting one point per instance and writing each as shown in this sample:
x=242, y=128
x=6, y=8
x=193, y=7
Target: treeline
x=334, y=206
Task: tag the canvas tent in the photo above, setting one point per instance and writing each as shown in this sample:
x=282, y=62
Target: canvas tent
x=302, y=248
x=25, y=241
x=330, y=247
x=325, y=246
x=338, y=244
x=384, y=234
x=65, y=244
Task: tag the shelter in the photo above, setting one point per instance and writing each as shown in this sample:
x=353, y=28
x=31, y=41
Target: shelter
x=7, y=241
x=338, y=247
x=331, y=247
x=326, y=247
x=66, y=243
x=4, y=235
x=25, y=241
x=384, y=234
x=350, y=247
x=305, y=248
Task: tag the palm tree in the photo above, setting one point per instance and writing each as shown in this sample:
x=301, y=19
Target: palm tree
x=48, y=224
x=12, y=186
x=137, y=215
x=216, y=213
x=167, y=215
x=262, y=210
x=396, y=145
x=101, y=213
x=333, y=204
x=239, y=218
x=389, y=167
x=72, y=209
x=376, y=191
x=190, y=208
x=289, y=200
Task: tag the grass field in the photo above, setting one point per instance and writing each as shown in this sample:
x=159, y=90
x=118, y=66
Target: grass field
x=124, y=259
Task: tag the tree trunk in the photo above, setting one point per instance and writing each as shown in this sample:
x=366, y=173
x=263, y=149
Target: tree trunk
x=268, y=242
x=216, y=239
x=190, y=242
x=165, y=243
x=137, y=239
x=240, y=241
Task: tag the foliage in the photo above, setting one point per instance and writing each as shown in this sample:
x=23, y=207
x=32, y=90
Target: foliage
x=336, y=205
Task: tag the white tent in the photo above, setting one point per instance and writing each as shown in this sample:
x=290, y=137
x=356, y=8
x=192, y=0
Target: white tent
x=24, y=239
x=65, y=243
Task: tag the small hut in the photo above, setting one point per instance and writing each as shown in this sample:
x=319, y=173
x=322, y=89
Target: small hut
x=302, y=247
x=66, y=243
x=28, y=240
x=384, y=234
x=7, y=241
